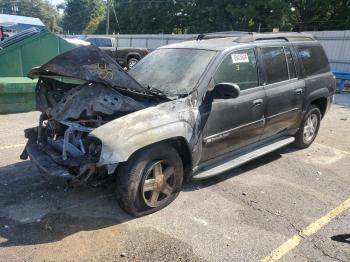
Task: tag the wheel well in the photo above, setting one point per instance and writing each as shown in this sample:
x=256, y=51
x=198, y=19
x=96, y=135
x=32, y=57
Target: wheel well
x=180, y=144
x=321, y=103
x=133, y=56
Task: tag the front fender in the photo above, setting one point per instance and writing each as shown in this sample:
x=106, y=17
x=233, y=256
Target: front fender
x=122, y=137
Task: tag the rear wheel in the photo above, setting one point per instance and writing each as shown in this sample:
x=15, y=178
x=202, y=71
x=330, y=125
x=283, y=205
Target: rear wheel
x=150, y=180
x=309, y=128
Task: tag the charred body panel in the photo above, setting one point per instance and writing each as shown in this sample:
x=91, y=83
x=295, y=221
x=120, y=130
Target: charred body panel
x=91, y=64
x=123, y=136
x=91, y=121
x=88, y=99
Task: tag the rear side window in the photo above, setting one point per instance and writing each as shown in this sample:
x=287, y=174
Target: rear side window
x=240, y=68
x=314, y=59
x=275, y=64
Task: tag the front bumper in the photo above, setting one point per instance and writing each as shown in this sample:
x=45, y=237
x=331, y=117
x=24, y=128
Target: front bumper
x=50, y=162
x=54, y=172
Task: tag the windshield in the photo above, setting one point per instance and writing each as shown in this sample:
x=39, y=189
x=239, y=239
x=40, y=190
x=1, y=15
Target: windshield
x=172, y=71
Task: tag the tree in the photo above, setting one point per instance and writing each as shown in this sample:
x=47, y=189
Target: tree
x=146, y=17
x=83, y=16
x=321, y=14
x=35, y=8
x=201, y=16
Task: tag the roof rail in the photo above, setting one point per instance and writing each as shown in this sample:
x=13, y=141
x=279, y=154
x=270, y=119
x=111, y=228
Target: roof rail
x=220, y=35
x=288, y=37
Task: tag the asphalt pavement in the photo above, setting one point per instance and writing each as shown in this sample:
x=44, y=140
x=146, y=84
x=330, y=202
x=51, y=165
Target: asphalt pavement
x=291, y=205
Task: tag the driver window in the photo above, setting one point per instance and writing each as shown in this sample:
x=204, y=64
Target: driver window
x=239, y=67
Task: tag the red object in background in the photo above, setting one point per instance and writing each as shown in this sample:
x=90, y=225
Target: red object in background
x=1, y=33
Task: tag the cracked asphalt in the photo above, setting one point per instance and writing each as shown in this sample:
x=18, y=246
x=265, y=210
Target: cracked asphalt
x=242, y=215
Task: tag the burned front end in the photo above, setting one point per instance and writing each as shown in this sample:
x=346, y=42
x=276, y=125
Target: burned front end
x=78, y=93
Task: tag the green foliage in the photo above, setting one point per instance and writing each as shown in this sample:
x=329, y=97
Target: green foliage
x=188, y=16
x=199, y=16
x=34, y=8
x=83, y=16
x=321, y=14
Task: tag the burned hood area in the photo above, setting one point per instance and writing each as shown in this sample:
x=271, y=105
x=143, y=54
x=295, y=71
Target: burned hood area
x=77, y=92
x=91, y=64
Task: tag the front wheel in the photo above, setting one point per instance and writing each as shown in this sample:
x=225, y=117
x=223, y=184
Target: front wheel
x=309, y=128
x=150, y=180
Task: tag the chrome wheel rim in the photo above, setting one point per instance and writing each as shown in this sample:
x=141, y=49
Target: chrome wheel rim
x=310, y=128
x=158, y=184
x=132, y=63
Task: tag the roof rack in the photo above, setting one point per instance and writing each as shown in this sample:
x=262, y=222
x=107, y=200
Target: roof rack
x=220, y=35
x=288, y=37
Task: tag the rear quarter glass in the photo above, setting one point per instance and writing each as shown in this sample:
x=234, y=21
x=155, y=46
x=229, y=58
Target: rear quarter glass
x=314, y=59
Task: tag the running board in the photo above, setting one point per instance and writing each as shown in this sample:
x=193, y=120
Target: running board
x=237, y=160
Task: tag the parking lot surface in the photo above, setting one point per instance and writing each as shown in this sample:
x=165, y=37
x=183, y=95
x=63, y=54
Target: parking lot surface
x=291, y=205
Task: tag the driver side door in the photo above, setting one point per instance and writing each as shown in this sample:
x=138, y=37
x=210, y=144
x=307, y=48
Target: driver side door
x=235, y=122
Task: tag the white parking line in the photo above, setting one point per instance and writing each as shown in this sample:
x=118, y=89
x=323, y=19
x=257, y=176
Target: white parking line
x=11, y=146
x=330, y=147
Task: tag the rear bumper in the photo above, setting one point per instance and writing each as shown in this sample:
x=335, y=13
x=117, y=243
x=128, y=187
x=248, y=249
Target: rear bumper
x=330, y=103
x=54, y=172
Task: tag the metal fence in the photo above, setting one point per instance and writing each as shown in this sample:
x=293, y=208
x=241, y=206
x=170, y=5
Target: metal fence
x=337, y=47
x=336, y=44
x=150, y=41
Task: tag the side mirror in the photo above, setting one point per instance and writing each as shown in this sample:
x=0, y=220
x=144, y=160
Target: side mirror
x=226, y=91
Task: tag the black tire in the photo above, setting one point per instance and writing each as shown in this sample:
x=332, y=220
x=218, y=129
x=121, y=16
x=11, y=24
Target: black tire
x=132, y=177
x=301, y=140
x=132, y=62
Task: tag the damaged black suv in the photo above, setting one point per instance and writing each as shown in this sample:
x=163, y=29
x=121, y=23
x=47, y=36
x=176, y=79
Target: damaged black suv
x=190, y=110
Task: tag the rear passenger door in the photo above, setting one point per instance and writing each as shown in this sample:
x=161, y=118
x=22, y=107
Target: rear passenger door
x=284, y=91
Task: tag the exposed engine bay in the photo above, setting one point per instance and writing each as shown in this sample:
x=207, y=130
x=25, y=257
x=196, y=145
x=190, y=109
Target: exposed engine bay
x=71, y=111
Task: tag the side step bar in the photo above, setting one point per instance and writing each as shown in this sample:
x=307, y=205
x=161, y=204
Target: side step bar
x=237, y=160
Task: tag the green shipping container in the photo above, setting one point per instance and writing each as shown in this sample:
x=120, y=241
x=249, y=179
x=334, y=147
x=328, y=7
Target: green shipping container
x=17, y=59
x=17, y=92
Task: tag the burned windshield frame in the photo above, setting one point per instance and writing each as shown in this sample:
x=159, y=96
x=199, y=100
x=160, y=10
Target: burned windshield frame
x=179, y=70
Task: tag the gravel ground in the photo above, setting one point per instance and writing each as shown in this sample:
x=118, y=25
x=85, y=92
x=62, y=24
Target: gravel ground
x=239, y=216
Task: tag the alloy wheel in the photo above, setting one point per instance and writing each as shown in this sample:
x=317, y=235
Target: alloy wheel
x=158, y=184
x=310, y=128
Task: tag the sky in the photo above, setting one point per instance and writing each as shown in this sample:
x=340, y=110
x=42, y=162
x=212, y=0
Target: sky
x=56, y=2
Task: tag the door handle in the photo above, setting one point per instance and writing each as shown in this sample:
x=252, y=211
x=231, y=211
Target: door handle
x=299, y=91
x=257, y=102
